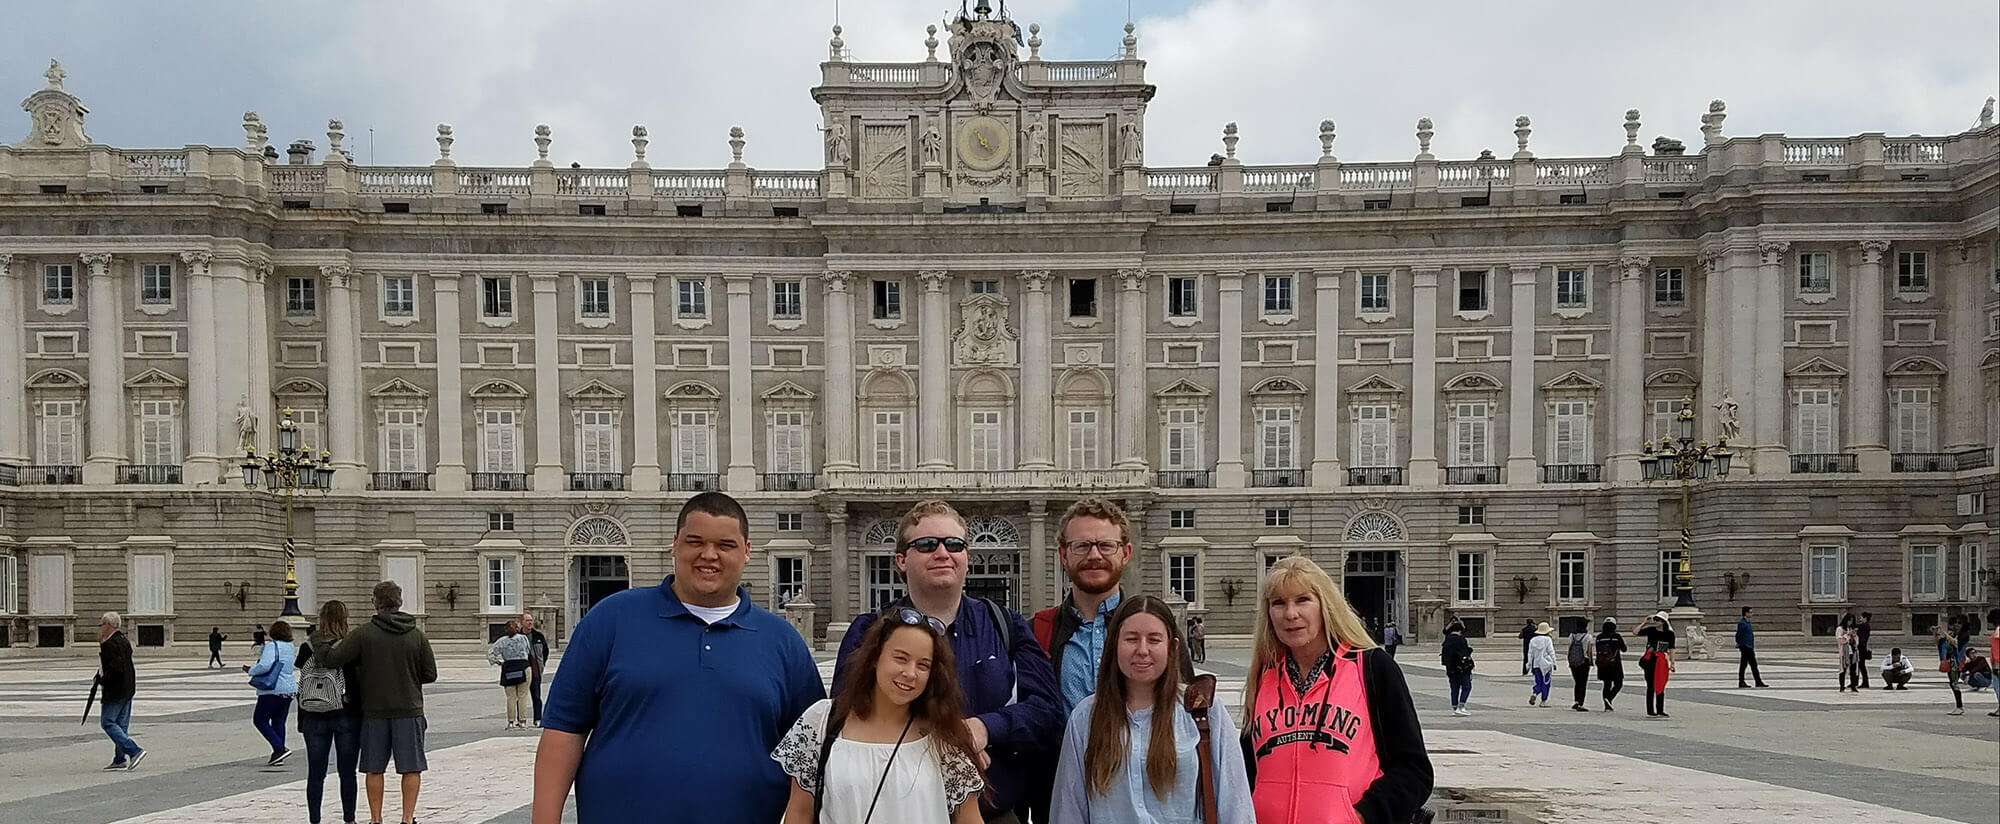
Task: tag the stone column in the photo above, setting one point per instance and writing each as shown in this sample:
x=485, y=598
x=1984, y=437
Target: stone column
x=107, y=372
x=1714, y=331
x=234, y=344
x=1142, y=564
x=645, y=423
x=1741, y=282
x=343, y=379
x=1131, y=391
x=1628, y=367
x=742, y=401
x=1229, y=467
x=1423, y=379
x=1867, y=396
x=1039, y=574
x=259, y=308
x=15, y=418
x=1522, y=466
x=548, y=387
x=934, y=371
x=1772, y=455
x=839, y=395
x=1965, y=427
x=841, y=603
x=452, y=475
x=1037, y=381
x=202, y=416
x=1326, y=380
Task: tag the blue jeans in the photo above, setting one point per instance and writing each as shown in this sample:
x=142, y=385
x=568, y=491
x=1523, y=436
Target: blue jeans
x=116, y=716
x=1461, y=689
x=339, y=734
x=270, y=719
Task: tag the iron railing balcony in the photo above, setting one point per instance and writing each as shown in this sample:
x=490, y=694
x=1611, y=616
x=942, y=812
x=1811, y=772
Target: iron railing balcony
x=500, y=481
x=50, y=475
x=1572, y=473
x=788, y=481
x=693, y=482
x=597, y=481
x=400, y=481
x=999, y=480
x=149, y=473
x=1374, y=476
x=1277, y=477
x=1472, y=474
x=1923, y=461
x=1183, y=479
x=1820, y=463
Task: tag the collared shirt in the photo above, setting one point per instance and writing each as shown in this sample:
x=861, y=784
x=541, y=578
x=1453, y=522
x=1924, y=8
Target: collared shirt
x=1130, y=798
x=1303, y=681
x=1083, y=651
x=681, y=715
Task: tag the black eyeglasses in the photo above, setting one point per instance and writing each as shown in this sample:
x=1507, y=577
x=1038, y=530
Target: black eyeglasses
x=913, y=618
x=929, y=545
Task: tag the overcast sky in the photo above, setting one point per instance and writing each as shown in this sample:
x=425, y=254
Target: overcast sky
x=176, y=72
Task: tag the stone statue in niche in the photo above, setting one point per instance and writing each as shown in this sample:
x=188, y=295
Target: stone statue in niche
x=1037, y=144
x=1731, y=426
x=933, y=145
x=984, y=339
x=246, y=426
x=1135, y=151
x=836, y=146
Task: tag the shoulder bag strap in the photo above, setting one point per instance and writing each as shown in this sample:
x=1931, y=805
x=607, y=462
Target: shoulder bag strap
x=1200, y=695
x=826, y=739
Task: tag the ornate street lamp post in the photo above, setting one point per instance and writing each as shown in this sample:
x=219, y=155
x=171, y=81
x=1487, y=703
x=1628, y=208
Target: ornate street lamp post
x=290, y=470
x=1679, y=456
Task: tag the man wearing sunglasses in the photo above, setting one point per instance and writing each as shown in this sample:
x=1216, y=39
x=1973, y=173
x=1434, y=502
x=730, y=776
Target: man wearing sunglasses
x=1010, y=693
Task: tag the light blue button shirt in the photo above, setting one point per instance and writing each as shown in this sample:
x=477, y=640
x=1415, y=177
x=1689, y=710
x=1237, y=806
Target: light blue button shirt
x=1082, y=651
x=1130, y=800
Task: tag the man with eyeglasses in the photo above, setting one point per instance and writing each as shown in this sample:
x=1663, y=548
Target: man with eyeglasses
x=1011, y=702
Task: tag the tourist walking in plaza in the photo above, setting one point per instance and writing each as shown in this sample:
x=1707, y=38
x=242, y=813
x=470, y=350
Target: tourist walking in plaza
x=1011, y=698
x=1993, y=650
x=538, y=657
x=1455, y=653
x=902, y=700
x=1581, y=649
x=393, y=659
x=1746, y=652
x=276, y=679
x=1391, y=638
x=1542, y=662
x=511, y=653
x=329, y=714
x=1656, y=662
x=1847, y=642
x=215, y=639
x=1134, y=751
x=1951, y=662
x=118, y=680
x=1896, y=670
x=1197, y=640
x=671, y=698
x=1332, y=735
x=1611, y=661
x=1527, y=634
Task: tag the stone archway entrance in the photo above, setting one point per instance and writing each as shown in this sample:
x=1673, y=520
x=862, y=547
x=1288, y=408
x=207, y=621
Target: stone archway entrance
x=598, y=556
x=995, y=566
x=1372, y=576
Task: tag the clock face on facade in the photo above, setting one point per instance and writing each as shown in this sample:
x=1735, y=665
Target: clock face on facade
x=984, y=143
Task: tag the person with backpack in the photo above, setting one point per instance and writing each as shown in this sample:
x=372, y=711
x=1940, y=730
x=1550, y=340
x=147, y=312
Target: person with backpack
x=1011, y=700
x=329, y=714
x=1951, y=662
x=1611, y=661
x=276, y=679
x=892, y=742
x=1331, y=735
x=1143, y=747
x=510, y=652
x=1456, y=654
x=1542, y=662
x=394, y=660
x=1581, y=650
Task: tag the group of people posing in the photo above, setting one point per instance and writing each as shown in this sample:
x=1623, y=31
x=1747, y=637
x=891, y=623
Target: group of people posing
x=947, y=707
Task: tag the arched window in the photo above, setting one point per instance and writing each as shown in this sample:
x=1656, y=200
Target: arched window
x=597, y=531
x=1374, y=526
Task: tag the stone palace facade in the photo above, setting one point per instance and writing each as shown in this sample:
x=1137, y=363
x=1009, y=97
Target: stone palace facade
x=1433, y=376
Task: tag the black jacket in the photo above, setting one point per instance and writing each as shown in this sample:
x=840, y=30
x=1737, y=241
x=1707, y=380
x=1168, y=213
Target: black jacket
x=1455, y=653
x=1407, y=776
x=118, y=678
x=538, y=648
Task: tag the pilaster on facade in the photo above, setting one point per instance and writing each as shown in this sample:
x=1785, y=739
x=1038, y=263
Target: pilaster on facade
x=1039, y=587
x=1965, y=428
x=742, y=467
x=1867, y=394
x=1740, y=280
x=1131, y=396
x=202, y=464
x=842, y=598
x=548, y=386
x=1229, y=469
x=14, y=414
x=343, y=379
x=107, y=372
x=452, y=475
x=1424, y=307
x=646, y=473
x=1326, y=472
x=839, y=397
x=1714, y=338
x=1037, y=373
x=1628, y=366
x=934, y=423
x=235, y=387
x=1771, y=457
x=1521, y=467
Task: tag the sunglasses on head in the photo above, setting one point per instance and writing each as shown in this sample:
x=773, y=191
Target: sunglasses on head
x=929, y=545
x=912, y=618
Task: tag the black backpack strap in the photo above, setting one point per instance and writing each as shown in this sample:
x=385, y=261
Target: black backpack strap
x=1006, y=626
x=826, y=739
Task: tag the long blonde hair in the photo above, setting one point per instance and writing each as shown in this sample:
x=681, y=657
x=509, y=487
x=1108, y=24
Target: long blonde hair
x=1342, y=626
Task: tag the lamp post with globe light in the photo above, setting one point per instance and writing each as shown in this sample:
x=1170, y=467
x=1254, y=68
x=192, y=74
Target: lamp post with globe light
x=1679, y=456
x=290, y=470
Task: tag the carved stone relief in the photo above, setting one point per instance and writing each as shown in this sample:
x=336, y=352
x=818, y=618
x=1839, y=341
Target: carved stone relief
x=983, y=337
x=1081, y=167
x=885, y=160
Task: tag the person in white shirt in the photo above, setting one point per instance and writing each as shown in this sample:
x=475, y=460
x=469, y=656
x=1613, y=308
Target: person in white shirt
x=1542, y=661
x=1896, y=671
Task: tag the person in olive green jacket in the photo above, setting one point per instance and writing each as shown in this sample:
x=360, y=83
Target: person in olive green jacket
x=395, y=662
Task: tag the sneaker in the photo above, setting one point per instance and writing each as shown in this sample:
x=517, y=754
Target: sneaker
x=1578, y=708
x=115, y=765
x=1763, y=686
x=1902, y=687
x=134, y=763
x=1607, y=706
x=1957, y=711
x=1664, y=715
x=278, y=758
x=1994, y=714
x=1460, y=712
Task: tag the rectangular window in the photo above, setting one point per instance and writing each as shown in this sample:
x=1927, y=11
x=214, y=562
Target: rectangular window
x=1668, y=285
x=1815, y=272
x=1474, y=515
x=496, y=297
x=785, y=300
x=1812, y=427
x=1180, y=576
x=694, y=442
x=1471, y=425
x=499, y=441
x=399, y=296
x=1278, y=294
x=59, y=284
x=788, y=579
x=1180, y=519
x=983, y=441
x=1670, y=567
x=1083, y=297
x=986, y=287
x=59, y=444
x=1913, y=273
x=159, y=433
x=888, y=303
x=1182, y=439
x=48, y=584
x=1569, y=432
x=1375, y=292
x=1572, y=576
x=692, y=300
x=499, y=522
x=1971, y=559
x=788, y=442
x=884, y=585
x=1180, y=297
x=1374, y=437
x=1572, y=289
x=1471, y=578
x=312, y=437
x=10, y=584
x=156, y=283
x=1826, y=574
x=1083, y=441
x=791, y=522
x=503, y=584
x=1913, y=420
x=595, y=296
x=889, y=441
x=301, y=297
x=1277, y=516
x=1472, y=291
x=149, y=585
x=1926, y=573
x=402, y=440
x=1277, y=438
x=403, y=569
x=596, y=441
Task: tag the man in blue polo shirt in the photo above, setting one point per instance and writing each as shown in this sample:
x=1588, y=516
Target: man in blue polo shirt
x=670, y=699
x=1013, y=709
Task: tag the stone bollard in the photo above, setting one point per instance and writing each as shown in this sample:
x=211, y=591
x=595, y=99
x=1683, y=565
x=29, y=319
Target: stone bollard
x=834, y=632
x=799, y=613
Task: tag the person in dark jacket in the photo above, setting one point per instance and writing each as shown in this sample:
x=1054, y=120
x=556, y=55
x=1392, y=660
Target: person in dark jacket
x=1611, y=661
x=395, y=662
x=1862, y=629
x=1746, y=651
x=331, y=732
x=215, y=639
x=257, y=637
x=538, y=658
x=1456, y=654
x=119, y=681
x=1527, y=634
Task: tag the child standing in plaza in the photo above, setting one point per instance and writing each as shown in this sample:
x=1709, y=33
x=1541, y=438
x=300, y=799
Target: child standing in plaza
x=1542, y=662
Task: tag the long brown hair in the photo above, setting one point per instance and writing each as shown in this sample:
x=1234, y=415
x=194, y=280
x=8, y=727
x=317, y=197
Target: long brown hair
x=1105, y=752
x=333, y=620
x=940, y=707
